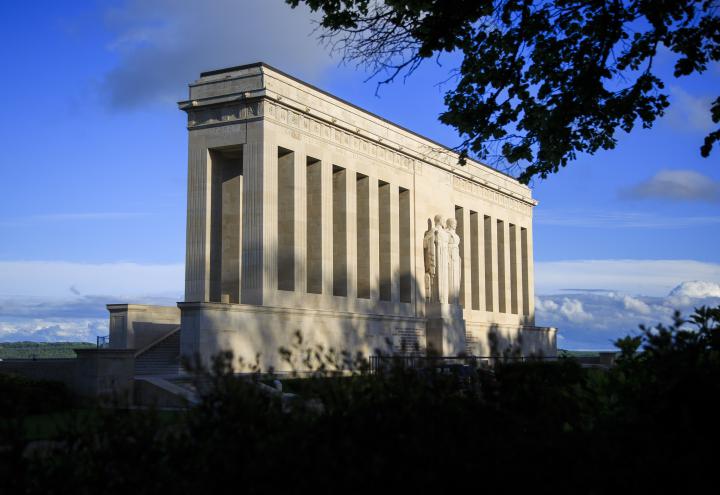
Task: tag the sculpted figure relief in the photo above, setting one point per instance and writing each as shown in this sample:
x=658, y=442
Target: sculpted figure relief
x=442, y=259
x=443, y=266
x=455, y=263
x=430, y=262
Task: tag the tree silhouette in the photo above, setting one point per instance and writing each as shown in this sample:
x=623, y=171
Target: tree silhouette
x=540, y=81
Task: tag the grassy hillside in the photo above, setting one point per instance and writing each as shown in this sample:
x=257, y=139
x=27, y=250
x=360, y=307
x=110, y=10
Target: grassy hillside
x=40, y=350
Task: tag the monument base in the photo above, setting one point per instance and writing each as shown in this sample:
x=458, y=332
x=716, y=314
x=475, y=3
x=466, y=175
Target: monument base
x=445, y=330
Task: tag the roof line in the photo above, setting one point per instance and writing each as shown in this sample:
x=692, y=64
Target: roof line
x=326, y=93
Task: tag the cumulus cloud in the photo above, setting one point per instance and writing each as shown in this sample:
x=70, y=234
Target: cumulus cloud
x=573, y=310
x=593, y=320
x=648, y=277
x=53, y=330
x=696, y=289
x=636, y=305
x=61, y=301
x=689, y=112
x=686, y=292
x=676, y=185
x=545, y=305
x=161, y=45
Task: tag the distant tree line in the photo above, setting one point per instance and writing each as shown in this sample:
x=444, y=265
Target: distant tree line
x=40, y=350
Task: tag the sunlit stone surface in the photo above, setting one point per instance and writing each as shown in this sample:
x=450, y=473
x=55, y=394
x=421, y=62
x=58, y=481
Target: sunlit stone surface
x=306, y=213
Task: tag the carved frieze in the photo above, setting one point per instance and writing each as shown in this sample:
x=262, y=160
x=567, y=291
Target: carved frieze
x=475, y=189
x=318, y=129
x=227, y=113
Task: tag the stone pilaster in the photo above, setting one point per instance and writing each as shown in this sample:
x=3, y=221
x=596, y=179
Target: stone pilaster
x=394, y=243
x=254, y=202
x=300, y=223
x=351, y=222
x=530, y=317
x=374, y=240
x=197, y=257
x=327, y=225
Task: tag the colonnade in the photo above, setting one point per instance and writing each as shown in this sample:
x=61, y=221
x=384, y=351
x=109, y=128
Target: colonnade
x=328, y=230
x=497, y=263
x=339, y=232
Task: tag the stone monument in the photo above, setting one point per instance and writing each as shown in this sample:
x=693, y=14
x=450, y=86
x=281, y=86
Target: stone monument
x=307, y=213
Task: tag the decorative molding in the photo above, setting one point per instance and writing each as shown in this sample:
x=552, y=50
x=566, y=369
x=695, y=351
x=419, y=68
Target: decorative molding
x=330, y=131
x=212, y=115
x=475, y=189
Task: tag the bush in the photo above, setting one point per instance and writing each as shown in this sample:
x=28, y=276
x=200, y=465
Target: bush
x=645, y=424
x=21, y=396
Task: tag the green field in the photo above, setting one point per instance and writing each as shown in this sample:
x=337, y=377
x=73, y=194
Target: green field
x=40, y=350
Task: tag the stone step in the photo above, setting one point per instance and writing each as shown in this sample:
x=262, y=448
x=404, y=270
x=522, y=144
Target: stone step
x=161, y=359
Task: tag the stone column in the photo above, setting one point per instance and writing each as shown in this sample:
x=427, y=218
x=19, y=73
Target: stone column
x=462, y=216
x=351, y=222
x=491, y=266
x=530, y=317
x=254, y=227
x=506, y=254
x=300, y=223
x=519, y=270
x=269, y=200
x=480, y=275
x=374, y=240
x=363, y=244
x=394, y=243
x=327, y=225
x=197, y=258
x=340, y=231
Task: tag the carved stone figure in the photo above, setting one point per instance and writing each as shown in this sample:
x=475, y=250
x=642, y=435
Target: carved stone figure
x=442, y=278
x=454, y=260
x=430, y=262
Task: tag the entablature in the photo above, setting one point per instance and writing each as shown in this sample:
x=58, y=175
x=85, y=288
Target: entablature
x=258, y=91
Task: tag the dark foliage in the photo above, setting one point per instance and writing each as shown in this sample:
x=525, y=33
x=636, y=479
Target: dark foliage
x=540, y=81
x=41, y=350
x=648, y=423
x=21, y=396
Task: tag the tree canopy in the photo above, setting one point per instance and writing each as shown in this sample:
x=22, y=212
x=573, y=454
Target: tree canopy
x=540, y=81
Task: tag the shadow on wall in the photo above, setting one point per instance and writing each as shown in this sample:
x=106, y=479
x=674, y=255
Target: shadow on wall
x=263, y=336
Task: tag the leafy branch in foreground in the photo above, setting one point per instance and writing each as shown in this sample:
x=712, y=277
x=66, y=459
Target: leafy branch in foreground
x=540, y=81
x=646, y=424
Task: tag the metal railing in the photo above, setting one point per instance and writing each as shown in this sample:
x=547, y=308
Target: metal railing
x=103, y=341
x=447, y=362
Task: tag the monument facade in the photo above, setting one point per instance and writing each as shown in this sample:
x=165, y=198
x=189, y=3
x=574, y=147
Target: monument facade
x=306, y=213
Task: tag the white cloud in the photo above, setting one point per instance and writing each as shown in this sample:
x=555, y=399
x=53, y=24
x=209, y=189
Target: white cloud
x=52, y=301
x=545, y=305
x=620, y=219
x=696, y=289
x=689, y=112
x=162, y=45
x=54, y=279
x=647, y=277
x=53, y=330
x=636, y=305
x=676, y=185
x=686, y=292
x=573, y=310
x=593, y=320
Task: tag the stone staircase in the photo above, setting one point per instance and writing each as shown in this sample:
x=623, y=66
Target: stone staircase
x=162, y=357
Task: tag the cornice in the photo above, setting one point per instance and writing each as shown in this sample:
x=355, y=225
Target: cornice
x=288, y=101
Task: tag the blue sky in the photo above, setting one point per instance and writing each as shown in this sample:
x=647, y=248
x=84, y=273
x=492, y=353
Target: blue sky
x=92, y=195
